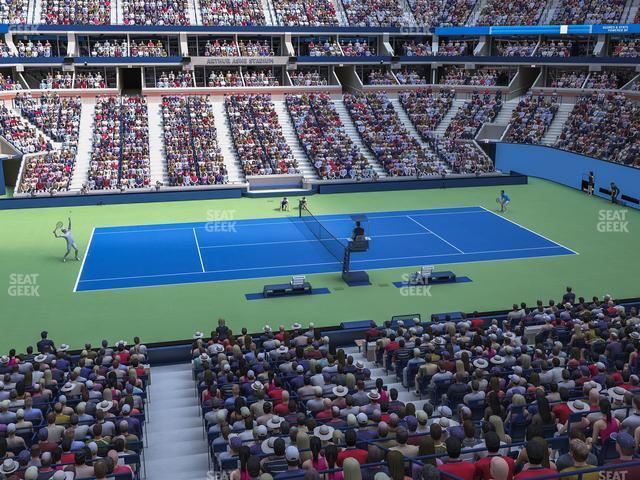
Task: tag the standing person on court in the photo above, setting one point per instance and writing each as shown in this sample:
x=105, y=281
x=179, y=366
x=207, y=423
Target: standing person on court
x=71, y=243
x=302, y=205
x=591, y=183
x=615, y=192
x=503, y=200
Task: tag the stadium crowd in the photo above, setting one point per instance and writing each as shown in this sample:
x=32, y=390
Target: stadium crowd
x=460, y=76
x=555, y=48
x=461, y=156
x=426, y=108
x=568, y=79
x=515, y=48
x=69, y=416
x=629, y=48
x=29, y=49
x=120, y=152
x=589, y=12
x=379, y=77
x=481, y=108
x=357, y=48
x=382, y=131
x=308, y=78
x=531, y=118
x=604, y=125
x=516, y=12
x=504, y=402
x=85, y=12
x=319, y=13
x=56, y=80
x=410, y=77
x=181, y=79
x=243, y=13
x=156, y=12
x=14, y=11
x=9, y=83
x=91, y=80
x=20, y=133
x=445, y=13
x=374, y=13
x=257, y=135
x=230, y=78
x=324, y=139
x=191, y=142
x=326, y=48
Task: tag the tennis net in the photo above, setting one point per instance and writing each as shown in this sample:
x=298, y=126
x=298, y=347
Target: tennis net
x=334, y=246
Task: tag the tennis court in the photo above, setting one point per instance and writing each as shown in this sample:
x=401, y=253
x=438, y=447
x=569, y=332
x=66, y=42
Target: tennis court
x=154, y=255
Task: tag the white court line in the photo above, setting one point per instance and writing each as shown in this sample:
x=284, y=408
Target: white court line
x=528, y=230
x=434, y=233
x=316, y=264
x=292, y=221
x=456, y=254
x=285, y=242
x=86, y=254
x=212, y=271
x=195, y=236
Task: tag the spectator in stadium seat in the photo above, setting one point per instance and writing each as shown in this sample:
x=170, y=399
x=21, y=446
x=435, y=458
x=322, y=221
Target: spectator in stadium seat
x=351, y=450
x=483, y=465
x=535, y=455
x=454, y=464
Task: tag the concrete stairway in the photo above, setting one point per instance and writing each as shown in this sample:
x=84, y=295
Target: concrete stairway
x=389, y=379
x=630, y=11
x=475, y=13
x=176, y=447
x=34, y=11
x=234, y=168
x=340, y=13
x=116, y=12
x=157, y=160
x=289, y=132
x=408, y=124
x=194, y=12
x=551, y=136
x=504, y=115
x=269, y=12
x=353, y=133
x=85, y=141
x=547, y=15
x=444, y=123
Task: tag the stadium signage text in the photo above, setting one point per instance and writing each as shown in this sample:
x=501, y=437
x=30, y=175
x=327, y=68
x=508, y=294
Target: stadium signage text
x=226, y=61
x=23, y=285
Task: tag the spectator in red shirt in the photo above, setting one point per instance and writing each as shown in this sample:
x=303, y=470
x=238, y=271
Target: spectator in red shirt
x=351, y=451
x=562, y=410
x=454, y=464
x=534, y=468
x=483, y=466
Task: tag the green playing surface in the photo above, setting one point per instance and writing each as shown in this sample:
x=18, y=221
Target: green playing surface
x=29, y=255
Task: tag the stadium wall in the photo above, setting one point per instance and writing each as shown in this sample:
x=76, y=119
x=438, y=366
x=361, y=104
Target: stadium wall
x=567, y=168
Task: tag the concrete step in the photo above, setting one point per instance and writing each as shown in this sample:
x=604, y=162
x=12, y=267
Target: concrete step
x=176, y=446
x=85, y=137
x=231, y=161
x=561, y=117
x=289, y=133
x=157, y=157
x=444, y=123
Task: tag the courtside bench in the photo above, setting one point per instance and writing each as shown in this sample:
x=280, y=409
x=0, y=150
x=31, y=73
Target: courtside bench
x=282, y=289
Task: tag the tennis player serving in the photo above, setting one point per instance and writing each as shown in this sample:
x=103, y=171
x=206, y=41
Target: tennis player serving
x=68, y=236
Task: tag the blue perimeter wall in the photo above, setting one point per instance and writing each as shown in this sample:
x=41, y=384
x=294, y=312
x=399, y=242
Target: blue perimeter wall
x=567, y=168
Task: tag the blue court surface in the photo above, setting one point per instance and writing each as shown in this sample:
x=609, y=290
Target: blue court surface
x=152, y=255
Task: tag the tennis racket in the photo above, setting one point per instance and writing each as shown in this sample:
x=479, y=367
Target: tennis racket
x=498, y=201
x=59, y=225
